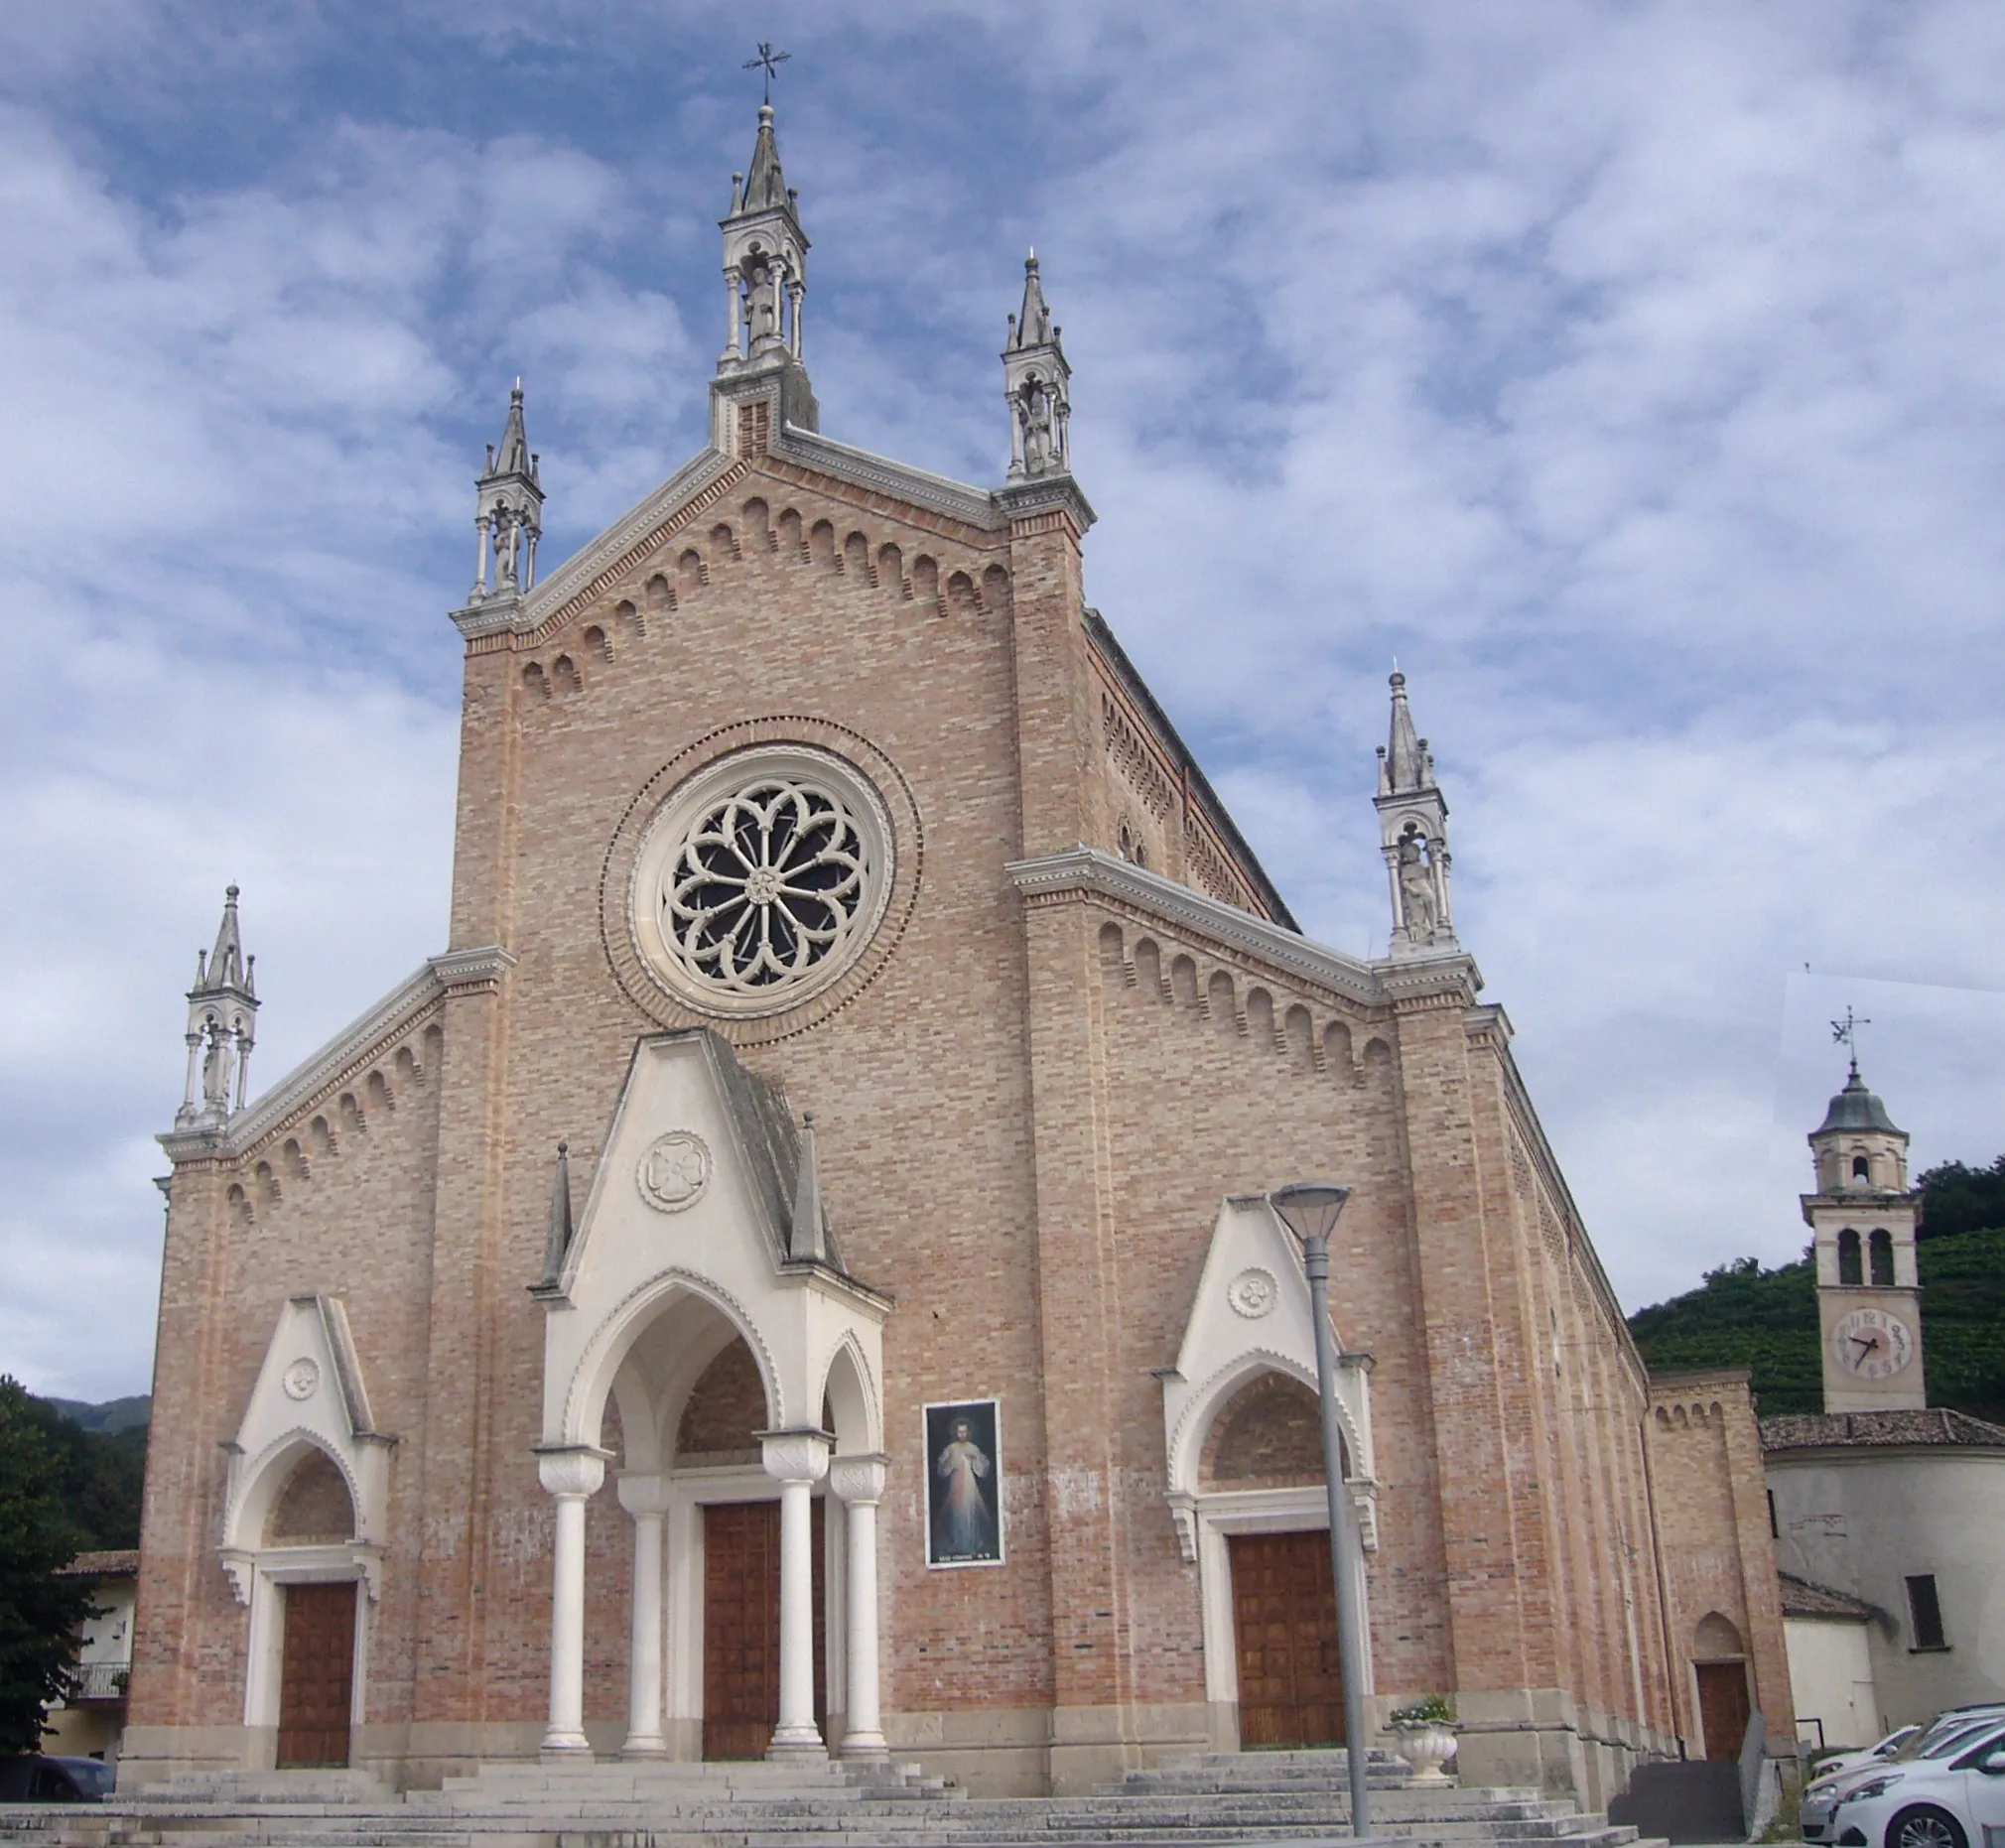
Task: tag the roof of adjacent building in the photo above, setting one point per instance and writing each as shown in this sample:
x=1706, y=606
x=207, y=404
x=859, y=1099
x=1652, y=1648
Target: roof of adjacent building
x=122, y=1563
x=1881, y=1430
x=1804, y=1596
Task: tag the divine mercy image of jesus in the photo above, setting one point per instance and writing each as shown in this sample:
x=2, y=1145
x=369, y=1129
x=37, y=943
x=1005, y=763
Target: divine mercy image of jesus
x=964, y=1480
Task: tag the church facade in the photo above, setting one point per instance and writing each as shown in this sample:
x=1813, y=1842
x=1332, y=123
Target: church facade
x=795, y=1274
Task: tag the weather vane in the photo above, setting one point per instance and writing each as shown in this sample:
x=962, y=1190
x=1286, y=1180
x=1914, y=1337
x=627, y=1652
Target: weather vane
x=768, y=61
x=1846, y=1033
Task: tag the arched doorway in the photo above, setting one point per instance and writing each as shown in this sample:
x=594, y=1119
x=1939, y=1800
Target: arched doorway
x=302, y=1537
x=1242, y=1442
x=1267, y=1437
x=316, y=1653
x=1719, y=1675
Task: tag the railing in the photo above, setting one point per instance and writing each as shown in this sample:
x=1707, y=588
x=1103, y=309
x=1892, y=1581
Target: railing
x=99, y=1681
x=1753, y=1755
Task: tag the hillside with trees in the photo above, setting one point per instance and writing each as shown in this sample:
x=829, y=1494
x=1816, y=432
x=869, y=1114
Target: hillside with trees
x=1743, y=1315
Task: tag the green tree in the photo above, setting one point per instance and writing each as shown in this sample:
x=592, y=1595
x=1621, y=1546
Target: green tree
x=101, y=1475
x=1958, y=1199
x=41, y=1615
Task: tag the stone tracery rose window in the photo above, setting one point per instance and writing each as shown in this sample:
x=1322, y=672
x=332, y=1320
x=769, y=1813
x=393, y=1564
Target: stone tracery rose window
x=766, y=885
x=763, y=880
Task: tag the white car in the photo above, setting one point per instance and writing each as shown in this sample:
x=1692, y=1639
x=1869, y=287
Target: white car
x=1944, y=1736
x=1953, y=1801
x=1867, y=1756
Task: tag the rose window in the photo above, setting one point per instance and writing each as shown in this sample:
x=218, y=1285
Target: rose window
x=763, y=880
x=766, y=885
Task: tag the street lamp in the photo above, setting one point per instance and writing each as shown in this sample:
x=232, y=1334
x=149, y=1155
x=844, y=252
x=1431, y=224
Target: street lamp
x=1309, y=1210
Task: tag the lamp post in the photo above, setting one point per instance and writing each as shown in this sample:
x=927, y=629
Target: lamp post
x=1309, y=1210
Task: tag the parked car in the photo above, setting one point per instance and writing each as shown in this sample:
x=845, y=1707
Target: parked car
x=1943, y=1735
x=1953, y=1801
x=1836, y=1762
x=40, y=1778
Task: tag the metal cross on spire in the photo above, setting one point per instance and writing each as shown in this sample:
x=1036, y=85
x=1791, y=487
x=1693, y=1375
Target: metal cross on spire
x=768, y=61
x=1846, y=1033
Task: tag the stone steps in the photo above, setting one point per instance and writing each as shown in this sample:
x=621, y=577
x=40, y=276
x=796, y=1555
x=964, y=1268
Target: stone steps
x=1199, y=1801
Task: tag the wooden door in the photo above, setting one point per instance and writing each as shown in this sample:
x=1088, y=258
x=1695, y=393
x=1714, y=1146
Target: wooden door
x=742, y=1628
x=1285, y=1614
x=1723, y=1710
x=317, y=1680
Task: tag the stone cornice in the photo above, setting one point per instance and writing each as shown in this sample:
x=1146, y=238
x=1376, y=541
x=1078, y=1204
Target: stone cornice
x=479, y=968
x=1059, y=493
x=632, y=529
x=977, y=506
x=357, y=1043
x=1087, y=870
x=347, y=1052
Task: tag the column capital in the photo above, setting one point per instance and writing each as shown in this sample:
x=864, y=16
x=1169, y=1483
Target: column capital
x=859, y=1479
x=796, y=1456
x=571, y=1469
x=641, y=1491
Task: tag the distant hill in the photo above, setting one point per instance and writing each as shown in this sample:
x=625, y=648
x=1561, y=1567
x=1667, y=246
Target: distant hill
x=111, y=1417
x=1767, y=1321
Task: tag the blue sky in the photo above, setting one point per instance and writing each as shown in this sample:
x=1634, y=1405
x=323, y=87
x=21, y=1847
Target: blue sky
x=1630, y=371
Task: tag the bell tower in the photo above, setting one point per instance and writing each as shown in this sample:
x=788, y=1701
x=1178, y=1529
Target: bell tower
x=1862, y=1218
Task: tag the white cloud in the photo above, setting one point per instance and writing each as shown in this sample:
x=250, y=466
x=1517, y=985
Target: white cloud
x=1630, y=370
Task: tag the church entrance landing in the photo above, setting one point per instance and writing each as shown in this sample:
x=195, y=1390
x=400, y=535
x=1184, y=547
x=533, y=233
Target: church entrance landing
x=742, y=1628
x=1285, y=1614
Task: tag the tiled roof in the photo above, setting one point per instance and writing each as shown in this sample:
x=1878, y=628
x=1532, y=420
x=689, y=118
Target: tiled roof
x=1877, y=1429
x=1803, y=1597
x=122, y=1564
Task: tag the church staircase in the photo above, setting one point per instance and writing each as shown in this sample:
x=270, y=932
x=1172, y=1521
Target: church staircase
x=1298, y=1798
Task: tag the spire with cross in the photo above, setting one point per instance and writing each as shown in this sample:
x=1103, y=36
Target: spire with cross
x=768, y=61
x=765, y=251
x=1846, y=1033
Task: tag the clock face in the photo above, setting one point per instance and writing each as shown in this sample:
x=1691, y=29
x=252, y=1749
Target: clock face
x=1874, y=1344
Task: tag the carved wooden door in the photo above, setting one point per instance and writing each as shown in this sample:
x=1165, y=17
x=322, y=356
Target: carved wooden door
x=1284, y=1614
x=742, y=1628
x=317, y=1679
x=1723, y=1710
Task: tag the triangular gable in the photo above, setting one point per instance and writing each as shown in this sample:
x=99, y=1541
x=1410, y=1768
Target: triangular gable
x=309, y=1391
x=1251, y=1315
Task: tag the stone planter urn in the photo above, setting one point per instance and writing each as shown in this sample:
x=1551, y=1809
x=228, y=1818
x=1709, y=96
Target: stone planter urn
x=1426, y=1746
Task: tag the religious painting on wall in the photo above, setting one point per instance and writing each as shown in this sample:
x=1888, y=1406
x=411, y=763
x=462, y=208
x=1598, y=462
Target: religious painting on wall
x=963, y=1483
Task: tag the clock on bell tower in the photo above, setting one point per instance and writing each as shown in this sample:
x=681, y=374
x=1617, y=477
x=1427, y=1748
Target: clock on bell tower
x=1863, y=1216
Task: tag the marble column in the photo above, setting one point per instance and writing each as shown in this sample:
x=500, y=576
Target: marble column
x=797, y=1460
x=571, y=1477
x=859, y=1483
x=644, y=1496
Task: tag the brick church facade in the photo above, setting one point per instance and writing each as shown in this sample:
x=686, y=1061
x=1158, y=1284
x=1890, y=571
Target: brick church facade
x=795, y=1274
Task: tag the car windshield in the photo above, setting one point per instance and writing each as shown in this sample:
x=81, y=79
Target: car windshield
x=91, y=1776
x=1948, y=1744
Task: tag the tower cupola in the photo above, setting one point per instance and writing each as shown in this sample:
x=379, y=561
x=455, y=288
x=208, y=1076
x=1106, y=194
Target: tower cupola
x=222, y=1011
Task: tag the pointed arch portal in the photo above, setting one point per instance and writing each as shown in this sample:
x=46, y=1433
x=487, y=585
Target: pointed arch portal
x=1245, y=1483
x=740, y=1374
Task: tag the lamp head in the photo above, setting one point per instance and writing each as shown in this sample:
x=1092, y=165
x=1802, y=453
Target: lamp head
x=1309, y=1209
